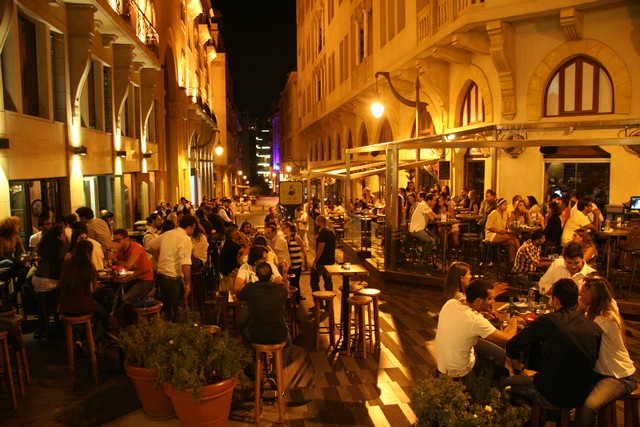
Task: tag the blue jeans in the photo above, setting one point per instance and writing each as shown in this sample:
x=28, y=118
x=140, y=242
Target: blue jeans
x=320, y=270
x=606, y=390
x=425, y=236
x=523, y=385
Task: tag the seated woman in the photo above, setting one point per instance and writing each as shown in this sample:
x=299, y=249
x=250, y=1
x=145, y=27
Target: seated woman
x=441, y=207
x=534, y=211
x=519, y=214
x=11, y=249
x=51, y=251
x=260, y=240
x=474, y=203
x=553, y=230
x=582, y=236
x=614, y=368
x=80, y=291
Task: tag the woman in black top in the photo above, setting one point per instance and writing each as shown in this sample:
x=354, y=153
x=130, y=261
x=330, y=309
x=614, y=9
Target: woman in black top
x=51, y=252
x=553, y=231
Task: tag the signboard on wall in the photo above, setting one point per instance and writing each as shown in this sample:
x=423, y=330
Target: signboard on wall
x=444, y=170
x=291, y=193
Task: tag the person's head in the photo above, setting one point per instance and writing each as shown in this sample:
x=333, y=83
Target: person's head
x=288, y=228
x=246, y=227
x=430, y=199
x=76, y=236
x=501, y=204
x=531, y=201
x=366, y=191
x=52, y=244
x=584, y=206
x=573, y=255
x=564, y=293
x=537, y=237
x=464, y=191
x=436, y=187
x=411, y=186
x=321, y=221
x=411, y=197
x=259, y=239
x=489, y=195
x=473, y=194
x=44, y=223
x=440, y=202
x=270, y=231
x=188, y=223
x=272, y=210
x=85, y=213
x=80, y=226
x=231, y=234
x=121, y=237
x=521, y=206
x=167, y=226
x=263, y=271
x=446, y=190
x=82, y=251
x=582, y=236
x=597, y=295
x=480, y=295
x=457, y=279
x=515, y=199
x=155, y=220
x=257, y=253
x=555, y=209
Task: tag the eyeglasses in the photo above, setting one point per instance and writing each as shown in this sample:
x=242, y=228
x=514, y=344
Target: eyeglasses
x=118, y=240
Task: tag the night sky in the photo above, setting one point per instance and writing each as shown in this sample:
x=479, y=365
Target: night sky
x=260, y=43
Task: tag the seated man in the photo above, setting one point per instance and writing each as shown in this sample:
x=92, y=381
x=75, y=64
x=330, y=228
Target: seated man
x=266, y=301
x=496, y=229
x=578, y=219
x=461, y=326
x=134, y=257
x=570, y=343
x=570, y=266
x=44, y=224
x=422, y=214
x=528, y=258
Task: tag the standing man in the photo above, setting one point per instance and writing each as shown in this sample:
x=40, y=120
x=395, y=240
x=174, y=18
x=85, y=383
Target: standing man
x=570, y=345
x=44, y=224
x=97, y=228
x=325, y=255
x=278, y=243
x=570, y=266
x=133, y=256
x=461, y=325
x=173, y=252
x=420, y=219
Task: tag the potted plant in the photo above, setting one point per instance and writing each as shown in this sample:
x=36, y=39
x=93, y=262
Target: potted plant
x=478, y=401
x=140, y=343
x=199, y=372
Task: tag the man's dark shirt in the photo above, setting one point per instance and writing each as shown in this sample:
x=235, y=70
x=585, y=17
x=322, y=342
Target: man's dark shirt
x=570, y=344
x=229, y=257
x=206, y=225
x=328, y=237
x=217, y=223
x=266, y=303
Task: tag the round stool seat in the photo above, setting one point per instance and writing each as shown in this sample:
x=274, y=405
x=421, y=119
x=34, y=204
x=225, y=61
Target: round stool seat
x=360, y=300
x=292, y=291
x=369, y=292
x=472, y=235
x=323, y=295
x=150, y=309
x=267, y=348
x=76, y=320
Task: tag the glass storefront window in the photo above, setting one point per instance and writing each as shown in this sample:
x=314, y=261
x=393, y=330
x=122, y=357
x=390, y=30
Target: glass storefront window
x=590, y=179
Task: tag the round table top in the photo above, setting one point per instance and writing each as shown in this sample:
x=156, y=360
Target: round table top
x=468, y=216
x=614, y=233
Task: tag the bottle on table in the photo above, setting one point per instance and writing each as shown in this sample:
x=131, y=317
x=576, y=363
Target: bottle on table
x=531, y=298
x=512, y=308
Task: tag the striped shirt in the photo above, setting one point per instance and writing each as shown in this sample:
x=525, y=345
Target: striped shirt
x=295, y=252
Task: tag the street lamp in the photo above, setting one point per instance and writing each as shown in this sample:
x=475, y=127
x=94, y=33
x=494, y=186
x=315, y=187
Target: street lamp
x=218, y=148
x=377, y=109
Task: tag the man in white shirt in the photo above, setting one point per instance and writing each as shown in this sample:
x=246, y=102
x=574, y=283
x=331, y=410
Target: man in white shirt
x=98, y=229
x=44, y=224
x=461, y=325
x=579, y=219
x=278, y=244
x=173, y=252
x=302, y=221
x=420, y=219
x=570, y=266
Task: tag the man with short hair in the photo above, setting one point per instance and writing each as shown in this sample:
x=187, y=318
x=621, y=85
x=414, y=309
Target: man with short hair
x=97, y=228
x=272, y=216
x=578, y=219
x=462, y=201
x=495, y=230
x=487, y=206
x=325, y=255
x=570, y=266
x=528, y=258
x=44, y=224
x=570, y=344
x=461, y=325
x=420, y=220
x=278, y=243
x=133, y=256
x=173, y=249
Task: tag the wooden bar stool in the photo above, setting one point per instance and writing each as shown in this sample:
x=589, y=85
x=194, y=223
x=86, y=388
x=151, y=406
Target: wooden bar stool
x=291, y=314
x=359, y=303
x=46, y=302
x=630, y=401
x=6, y=365
x=24, y=373
x=318, y=298
x=149, y=311
x=85, y=320
x=374, y=294
x=538, y=411
x=265, y=351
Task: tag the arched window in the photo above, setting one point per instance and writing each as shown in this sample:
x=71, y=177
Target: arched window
x=364, y=138
x=580, y=86
x=472, y=106
x=386, y=134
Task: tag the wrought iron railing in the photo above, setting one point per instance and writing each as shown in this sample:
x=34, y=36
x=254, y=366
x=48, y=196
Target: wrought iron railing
x=141, y=24
x=438, y=13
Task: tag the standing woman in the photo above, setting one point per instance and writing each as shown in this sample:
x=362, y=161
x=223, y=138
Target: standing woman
x=199, y=249
x=78, y=284
x=614, y=368
x=553, y=230
x=297, y=253
x=411, y=206
x=12, y=248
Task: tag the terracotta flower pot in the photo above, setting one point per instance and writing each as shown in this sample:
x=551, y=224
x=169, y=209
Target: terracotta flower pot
x=211, y=409
x=155, y=402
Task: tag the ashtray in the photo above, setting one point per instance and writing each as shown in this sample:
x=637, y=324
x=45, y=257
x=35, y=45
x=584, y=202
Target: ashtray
x=346, y=266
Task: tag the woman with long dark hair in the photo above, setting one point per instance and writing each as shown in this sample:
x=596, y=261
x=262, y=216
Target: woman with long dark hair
x=456, y=282
x=199, y=249
x=614, y=368
x=51, y=252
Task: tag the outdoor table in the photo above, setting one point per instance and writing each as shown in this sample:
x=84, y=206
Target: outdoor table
x=524, y=231
x=337, y=269
x=468, y=218
x=611, y=235
x=446, y=227
x=114, y=280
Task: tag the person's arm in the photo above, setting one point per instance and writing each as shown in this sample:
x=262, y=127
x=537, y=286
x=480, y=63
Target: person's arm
x=130, y=262
x=186, y=273
x=502, y=337
x=589, y=253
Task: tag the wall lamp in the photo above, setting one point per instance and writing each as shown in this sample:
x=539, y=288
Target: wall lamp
x=121, y=153
x=147, y=155
x=218, y=148
x=80, y=151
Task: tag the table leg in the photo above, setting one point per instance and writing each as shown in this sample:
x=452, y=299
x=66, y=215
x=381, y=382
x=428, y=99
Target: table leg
x=445, y=237
x=344, y=312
